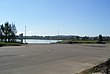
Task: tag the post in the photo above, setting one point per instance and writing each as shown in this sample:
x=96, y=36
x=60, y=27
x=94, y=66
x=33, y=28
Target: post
x=58, y=37
x=25, y=34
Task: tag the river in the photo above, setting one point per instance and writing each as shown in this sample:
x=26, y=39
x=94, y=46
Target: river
x=33, y=41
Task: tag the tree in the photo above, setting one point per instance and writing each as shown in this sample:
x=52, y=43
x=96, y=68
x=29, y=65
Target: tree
x=13, y=32
x=100, y=39
x=9, y=31
x=1, y=35
x=77, y=38
x=85, y=38
x=6, y=30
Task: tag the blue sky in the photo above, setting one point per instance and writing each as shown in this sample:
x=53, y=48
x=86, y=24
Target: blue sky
x=47, y=17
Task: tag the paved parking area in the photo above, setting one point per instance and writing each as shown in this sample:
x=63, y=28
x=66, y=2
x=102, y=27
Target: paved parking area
x=51, y=58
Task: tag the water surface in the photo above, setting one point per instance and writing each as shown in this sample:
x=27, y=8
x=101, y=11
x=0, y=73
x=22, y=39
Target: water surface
x=33, y=41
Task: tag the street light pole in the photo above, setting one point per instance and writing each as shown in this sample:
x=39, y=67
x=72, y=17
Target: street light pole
x=58, y=36
x=25, y=34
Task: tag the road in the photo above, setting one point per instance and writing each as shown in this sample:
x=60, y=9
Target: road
x=51, y=58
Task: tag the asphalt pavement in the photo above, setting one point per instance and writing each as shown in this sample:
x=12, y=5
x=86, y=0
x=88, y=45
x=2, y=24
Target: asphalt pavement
x=51, y=58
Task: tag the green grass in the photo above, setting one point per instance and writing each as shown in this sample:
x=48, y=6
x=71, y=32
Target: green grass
x=77, y=42
x=82, y=42
x=10, y=44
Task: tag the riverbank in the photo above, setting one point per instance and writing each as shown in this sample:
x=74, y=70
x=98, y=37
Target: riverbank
x=82, y=42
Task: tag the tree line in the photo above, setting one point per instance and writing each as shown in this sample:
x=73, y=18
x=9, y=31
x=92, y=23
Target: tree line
x=8, y=32
x=70, y=37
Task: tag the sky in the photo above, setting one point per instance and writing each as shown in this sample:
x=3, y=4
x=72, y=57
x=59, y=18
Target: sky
x=50, y=17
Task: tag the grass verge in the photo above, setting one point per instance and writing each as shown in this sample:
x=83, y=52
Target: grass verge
x=10, y=44
x=77, y=42
x=82, y=42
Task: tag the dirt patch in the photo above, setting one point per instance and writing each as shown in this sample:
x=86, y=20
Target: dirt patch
x=103, y=68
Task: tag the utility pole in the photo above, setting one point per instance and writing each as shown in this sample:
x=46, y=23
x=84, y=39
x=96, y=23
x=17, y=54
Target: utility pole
x=25, y=34
x=58, y=36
